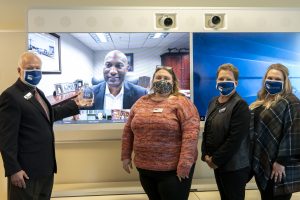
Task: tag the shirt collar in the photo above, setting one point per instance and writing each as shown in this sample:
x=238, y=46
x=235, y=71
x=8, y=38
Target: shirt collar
x=107, y=92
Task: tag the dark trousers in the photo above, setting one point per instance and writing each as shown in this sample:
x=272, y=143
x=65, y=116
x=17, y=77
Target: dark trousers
x=165, y=185
x=36, y=189
x=232, y=184
x=268, y=193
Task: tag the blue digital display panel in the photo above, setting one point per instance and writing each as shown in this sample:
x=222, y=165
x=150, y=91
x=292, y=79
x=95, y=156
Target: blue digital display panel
x=251, y=53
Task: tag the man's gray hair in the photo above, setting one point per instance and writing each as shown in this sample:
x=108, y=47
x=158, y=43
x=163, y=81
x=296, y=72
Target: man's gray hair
x=27, y=55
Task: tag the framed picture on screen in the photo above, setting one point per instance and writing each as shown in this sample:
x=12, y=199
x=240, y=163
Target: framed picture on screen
x=47, y=46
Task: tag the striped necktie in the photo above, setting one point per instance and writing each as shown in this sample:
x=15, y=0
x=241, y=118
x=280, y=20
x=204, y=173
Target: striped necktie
x=42, y=102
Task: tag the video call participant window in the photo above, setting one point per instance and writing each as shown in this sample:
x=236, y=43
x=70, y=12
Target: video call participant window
x=118, y=67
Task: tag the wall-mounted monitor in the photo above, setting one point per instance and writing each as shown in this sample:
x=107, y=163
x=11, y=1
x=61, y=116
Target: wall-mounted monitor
x=251, y=53
x=81, y=62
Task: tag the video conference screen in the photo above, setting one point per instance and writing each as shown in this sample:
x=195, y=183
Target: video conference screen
x=251, y=53
x=75, y=60
x=72, y=60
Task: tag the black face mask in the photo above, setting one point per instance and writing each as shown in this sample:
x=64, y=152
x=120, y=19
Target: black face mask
x=162, y=87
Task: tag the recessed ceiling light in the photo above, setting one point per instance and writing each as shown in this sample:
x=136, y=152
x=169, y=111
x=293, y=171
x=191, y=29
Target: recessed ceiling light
x=157, y=35
x=101, y=37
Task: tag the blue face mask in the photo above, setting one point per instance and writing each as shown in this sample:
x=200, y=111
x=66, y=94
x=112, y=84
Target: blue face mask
x=225, y=87
x=32, y=77
x=273, y=87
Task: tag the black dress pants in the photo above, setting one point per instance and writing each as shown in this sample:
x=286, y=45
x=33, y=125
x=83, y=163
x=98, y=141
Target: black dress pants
x=232, y=184
x=165, y=185
x=268, y=193
x=36, y=189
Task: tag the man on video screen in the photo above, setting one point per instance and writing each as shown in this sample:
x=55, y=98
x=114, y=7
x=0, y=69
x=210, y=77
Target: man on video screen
x=115, y=92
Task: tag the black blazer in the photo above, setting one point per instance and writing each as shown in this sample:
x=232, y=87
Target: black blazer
x=226, y=134
x=26, y=134
x=131, y=94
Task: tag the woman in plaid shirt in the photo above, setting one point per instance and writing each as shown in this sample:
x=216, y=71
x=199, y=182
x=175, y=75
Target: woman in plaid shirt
x=276, y=150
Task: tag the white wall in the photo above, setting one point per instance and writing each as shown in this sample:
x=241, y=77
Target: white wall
x=76, y=63
x=12, y=44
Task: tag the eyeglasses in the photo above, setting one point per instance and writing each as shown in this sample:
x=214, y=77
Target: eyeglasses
x=118, y=65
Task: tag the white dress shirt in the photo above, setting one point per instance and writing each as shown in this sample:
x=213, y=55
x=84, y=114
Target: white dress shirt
x=113, y=102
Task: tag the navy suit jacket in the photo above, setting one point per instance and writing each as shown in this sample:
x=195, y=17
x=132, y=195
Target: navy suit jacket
x=131, y=94
x=26, y=133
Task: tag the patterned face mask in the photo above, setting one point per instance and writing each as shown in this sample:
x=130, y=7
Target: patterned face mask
x=162, y=87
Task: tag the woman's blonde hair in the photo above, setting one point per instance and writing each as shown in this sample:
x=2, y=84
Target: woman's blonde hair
x=175, y=90
x=263, y=97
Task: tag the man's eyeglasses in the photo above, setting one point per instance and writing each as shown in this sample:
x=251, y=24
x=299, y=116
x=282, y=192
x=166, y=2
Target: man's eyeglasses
x=118, y=65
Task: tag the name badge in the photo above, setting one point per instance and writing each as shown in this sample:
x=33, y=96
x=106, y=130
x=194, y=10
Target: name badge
x=28, y=96
x=222, y=110
x=157, y=110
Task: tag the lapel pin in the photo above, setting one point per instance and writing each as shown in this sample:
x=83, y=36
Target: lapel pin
x=28, y=96
x=222, y=110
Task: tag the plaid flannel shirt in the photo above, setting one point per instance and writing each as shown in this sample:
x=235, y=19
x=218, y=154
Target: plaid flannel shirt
x=277, y=138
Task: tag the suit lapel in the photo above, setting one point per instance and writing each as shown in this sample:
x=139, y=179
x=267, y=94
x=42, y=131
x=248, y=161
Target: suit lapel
x=101, y=95
x=127, y=98
x=28, y=94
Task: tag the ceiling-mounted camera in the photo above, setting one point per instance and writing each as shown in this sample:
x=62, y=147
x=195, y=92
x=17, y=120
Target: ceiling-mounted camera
x=165, y=20
x=215, y=21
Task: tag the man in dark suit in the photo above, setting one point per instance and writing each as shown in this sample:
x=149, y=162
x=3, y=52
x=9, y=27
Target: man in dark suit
x=115, y=92
x=26, y=133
